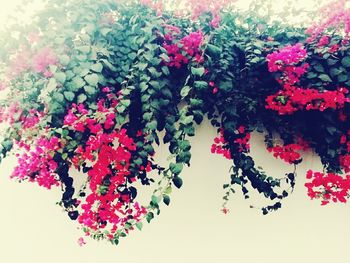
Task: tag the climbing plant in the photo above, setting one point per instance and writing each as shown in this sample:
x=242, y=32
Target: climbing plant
x=95, y=86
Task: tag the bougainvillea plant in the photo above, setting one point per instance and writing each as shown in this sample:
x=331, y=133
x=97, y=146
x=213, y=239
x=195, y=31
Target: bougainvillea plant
x=95, y=86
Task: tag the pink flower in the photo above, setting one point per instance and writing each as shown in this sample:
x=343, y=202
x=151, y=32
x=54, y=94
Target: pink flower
x=334, y=48
x=3, y=86
x=324, y=41
x=44, y=58
x=81, y=241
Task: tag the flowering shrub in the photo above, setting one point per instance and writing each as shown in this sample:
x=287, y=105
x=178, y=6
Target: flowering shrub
x=96, y=89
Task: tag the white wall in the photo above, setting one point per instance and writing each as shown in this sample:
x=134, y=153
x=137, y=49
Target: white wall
x=192, y=229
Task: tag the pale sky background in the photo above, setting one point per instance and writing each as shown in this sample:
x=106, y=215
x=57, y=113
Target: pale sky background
x=192, y=228
x=10, y=7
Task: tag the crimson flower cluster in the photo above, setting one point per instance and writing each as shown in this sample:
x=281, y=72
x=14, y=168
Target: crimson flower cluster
x=289, y=153
x=180, y=52
x=110, y=203
x=344, y=159
x=292, y=99
x=328, y=187
x=31, y=119
x=220, y=145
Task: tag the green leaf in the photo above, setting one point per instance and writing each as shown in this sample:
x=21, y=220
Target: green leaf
x=64, y=60
x=155, y=199
x=81, y=98
x=69, y=95
x=52, y=85
x=319, y=68
x=184, y=145
x=176, y=168
x=325, y=78
x=187, y=120
x=166, y=199
x=152, y=125
x=167, y=93
x=342, y=78
x=165, y=70
x=185, y=91
x=331, y=130
x=147, y=116
x=90, y=90
x=177, y=181
x=311, y=75
x=143, y=86
x=104, y=31
x=58, y=97
x=98, y=67
x=200, y=85
x=132, y=55
x=214, y=50
x=196, y=103
x=168, y=190
x=7, y=144
x=149, y=217
x=226, y=86
x=156, y=74
x=60, y=77
x=139, y=225
x=198, y=71
x=332, y=62
x=254, y=60
x=184, y=157
x=346, y=62
x=126, y=103
x=78, y=82
x=91, y=79
x=121, y=108
x=335, y=71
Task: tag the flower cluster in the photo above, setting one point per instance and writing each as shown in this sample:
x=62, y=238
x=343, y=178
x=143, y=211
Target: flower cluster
x=335, y=16
x=11, y=113
x=287, y=60
x=344, y=159
x=184, y=50
x=110, y=203
x=328, y=187
x=243, y=139
x=36, y=164
x=209, y=6
x=292, y=99
x=220, y=146
x=39, y=62
x=43, y=59
x=289, y=153
x=32, y=119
